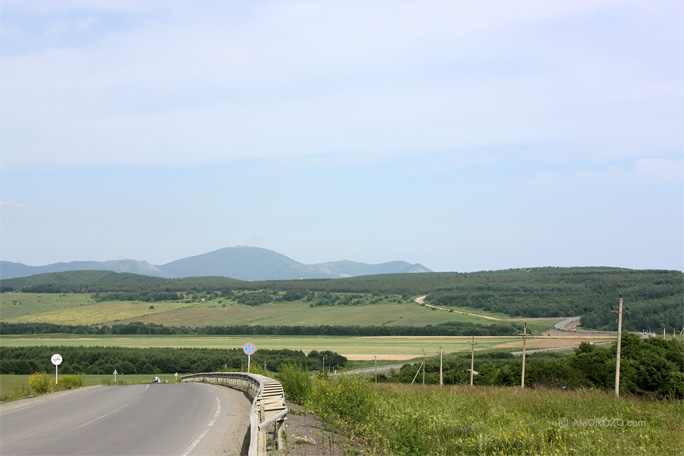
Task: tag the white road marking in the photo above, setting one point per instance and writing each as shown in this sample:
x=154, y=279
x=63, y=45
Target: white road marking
x=211, y=423
x=106, y=414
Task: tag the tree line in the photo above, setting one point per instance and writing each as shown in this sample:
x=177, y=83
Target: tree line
x=648, y=366
x=104, y=360
x=444, y=329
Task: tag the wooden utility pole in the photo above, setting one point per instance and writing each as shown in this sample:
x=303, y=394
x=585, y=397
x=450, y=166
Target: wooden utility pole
x=619, y=312
x=375, y=357
x=440, y=367
x=472, y=360
x=423, y=366
x=522, y=381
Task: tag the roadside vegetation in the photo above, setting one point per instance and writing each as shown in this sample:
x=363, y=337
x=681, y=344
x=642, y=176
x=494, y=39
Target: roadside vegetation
x=487, y=420
x=649, y=367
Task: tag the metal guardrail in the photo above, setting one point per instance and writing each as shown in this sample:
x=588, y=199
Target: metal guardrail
x=268, y=404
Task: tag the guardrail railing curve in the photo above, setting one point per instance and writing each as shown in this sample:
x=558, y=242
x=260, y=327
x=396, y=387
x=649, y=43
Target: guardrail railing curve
x=268, y=404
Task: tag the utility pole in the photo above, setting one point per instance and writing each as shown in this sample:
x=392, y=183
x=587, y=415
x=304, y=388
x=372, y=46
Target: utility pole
x=522, y=381
x=619, y=312
x=423, y=366
x=375, y=357
x=323, y=368
x=472, y=360
x=440, y=367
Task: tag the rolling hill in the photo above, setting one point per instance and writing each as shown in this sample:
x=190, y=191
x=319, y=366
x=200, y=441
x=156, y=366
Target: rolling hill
x=243, y=263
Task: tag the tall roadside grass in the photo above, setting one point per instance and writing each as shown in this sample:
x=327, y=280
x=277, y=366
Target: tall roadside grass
x=497, y=421
x=461, y=420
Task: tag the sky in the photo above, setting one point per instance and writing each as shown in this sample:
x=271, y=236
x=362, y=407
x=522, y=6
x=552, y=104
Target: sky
x=462, y=135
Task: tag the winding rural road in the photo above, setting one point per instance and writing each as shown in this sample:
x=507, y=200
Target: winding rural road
x=421, y=300
x=169, y=419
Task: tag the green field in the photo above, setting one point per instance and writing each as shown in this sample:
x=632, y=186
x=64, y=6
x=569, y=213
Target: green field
x=81, y=309
x=384, y=347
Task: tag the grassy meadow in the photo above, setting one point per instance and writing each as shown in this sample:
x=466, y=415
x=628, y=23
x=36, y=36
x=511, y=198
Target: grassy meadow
x=400, y=347
x=81, y=309
x=501, y=421
x=355, y=348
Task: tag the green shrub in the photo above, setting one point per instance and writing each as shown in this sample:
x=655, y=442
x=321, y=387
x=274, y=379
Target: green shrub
x=40, y=382
x=342, y=400
x=296, y=383
x=70, y=381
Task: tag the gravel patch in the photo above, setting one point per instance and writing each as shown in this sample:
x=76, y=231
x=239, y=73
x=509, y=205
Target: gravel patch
x=306, y=435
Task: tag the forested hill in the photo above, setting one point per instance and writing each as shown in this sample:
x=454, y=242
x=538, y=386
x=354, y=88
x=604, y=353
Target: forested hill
x=655, y=298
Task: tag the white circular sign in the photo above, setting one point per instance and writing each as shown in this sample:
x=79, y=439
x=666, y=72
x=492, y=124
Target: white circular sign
x=56, y=359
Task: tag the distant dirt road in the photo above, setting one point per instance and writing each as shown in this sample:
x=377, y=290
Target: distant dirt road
x=421, y=300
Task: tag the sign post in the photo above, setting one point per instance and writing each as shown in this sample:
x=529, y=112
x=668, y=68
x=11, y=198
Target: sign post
x=249, y=349
x=56, y=360
x=115, y=372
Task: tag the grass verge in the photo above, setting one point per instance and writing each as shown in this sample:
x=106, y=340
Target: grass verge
x=457, y=420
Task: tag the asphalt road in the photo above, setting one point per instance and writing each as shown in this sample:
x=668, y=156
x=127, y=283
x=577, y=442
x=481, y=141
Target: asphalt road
x=157, y=419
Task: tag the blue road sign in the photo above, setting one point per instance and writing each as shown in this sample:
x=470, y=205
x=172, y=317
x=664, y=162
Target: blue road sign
x=249, y=348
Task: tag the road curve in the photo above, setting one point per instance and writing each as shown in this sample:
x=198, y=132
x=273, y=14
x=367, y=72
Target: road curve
x=169, y=419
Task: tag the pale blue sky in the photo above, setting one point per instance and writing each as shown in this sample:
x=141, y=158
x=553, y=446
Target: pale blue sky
x=462, y=135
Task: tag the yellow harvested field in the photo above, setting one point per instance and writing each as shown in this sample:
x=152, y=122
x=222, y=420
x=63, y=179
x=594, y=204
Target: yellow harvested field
x=553, y=342
x=378, y=357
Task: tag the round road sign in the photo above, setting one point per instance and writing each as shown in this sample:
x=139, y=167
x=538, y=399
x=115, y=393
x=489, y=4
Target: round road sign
x=249, y=348
x=56, y=359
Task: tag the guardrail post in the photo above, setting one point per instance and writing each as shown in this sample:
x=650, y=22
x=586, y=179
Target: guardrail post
x=262, y=443
x=278, y=432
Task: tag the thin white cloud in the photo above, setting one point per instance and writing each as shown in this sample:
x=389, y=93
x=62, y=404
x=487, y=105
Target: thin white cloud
x=13, y=206
x=660, y=170
x=650, y=171
x=183, y=84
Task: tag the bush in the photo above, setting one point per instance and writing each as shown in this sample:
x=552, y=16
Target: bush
x=342, y=400
x=296, y=383
x=70, y=381
x=40, y=382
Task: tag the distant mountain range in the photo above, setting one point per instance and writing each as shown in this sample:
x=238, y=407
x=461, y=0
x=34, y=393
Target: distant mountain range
x=243, y=263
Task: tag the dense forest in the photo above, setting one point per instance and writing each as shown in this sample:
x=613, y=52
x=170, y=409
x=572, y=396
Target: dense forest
x=655, y=298
x=648, y=366
x=445, y=329
x=104, y=360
